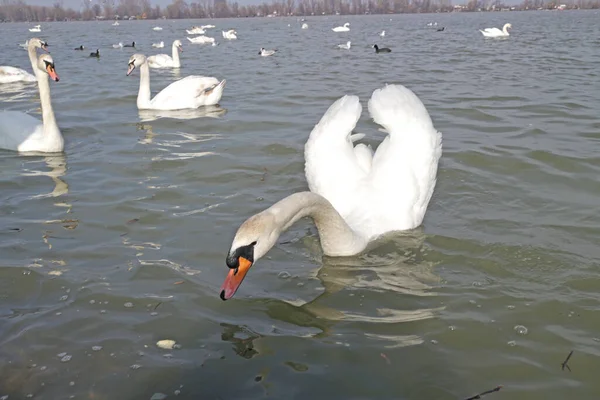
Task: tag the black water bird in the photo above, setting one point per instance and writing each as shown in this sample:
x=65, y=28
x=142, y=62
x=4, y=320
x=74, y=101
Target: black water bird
x=130, y=45
x=96, y=54
x=382, y=50
x=79, y=48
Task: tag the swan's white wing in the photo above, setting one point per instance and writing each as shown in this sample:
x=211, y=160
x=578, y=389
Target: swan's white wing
x=332, y=169
x=364, y=156
x=160, y=60
x=183, y=93
x=492, y=31
x=12, y=74
x=16, y=127
x=404, y=167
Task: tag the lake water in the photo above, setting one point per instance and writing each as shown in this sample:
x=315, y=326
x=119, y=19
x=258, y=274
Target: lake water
x=121, y=241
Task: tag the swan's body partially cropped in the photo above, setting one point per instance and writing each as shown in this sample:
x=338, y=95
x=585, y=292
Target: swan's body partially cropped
x=159, y=45
x=345, y=46
x=495, y=32
x=344, y=28
x=202, y=40
x=356, y=195
x=166, y=61
x=22, y=132
x=189, y=92
x=12, y=74
x=230, y=34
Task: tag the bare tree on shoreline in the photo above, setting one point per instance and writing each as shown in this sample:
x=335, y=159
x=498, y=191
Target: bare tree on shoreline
x=20, y=11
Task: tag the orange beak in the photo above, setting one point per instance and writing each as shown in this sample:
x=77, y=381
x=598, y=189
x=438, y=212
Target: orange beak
x=52, y=72
x=234, y=278
x=130, y=69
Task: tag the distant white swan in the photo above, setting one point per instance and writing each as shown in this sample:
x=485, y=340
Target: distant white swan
x=195, y=31
x=230, y=34
x=189, y=92
x=165, y=61
x=382, y=34
x=356, y=195
x=116, y=23
x=305, y=26
x=157, y=28
x=345, y=46
x=158, y=45
x=118, y=46
x=22, y=132
x=201, y=40
x=495, y=32
x=342, y=28
x=207, y=26
x=265, y=53
x=37, y=28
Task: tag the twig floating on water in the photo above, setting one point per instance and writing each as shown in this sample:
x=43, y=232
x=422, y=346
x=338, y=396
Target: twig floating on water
x=156, y=306
x=480, y=395
x=385, y=358
x=564, y=364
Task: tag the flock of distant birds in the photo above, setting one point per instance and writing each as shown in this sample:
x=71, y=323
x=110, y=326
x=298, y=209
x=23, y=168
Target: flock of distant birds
x=21, y=132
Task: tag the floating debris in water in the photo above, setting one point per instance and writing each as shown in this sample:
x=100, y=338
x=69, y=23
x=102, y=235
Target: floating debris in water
x=96, y=348
x=521, y=329
x=92, y=301
x=158, y=396
x=135, y=366
x=284, y=275
x=71, y=383
x=166, y=344
x=480, y=395
x=63, y=298
x=66, y=358
x=511, y=307
x=512, y=343
x=387, y=360
x=452, y=327
x=128, y=304
x=564, y=364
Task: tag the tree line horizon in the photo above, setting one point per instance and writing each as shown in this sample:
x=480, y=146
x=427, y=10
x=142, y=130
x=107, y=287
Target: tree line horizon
x=20, y=11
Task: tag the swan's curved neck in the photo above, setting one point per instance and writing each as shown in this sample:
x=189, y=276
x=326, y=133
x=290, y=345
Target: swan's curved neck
x=175, y=55
x=337, y=238
x=51, y=132
x=143, y=99
x=505, y=29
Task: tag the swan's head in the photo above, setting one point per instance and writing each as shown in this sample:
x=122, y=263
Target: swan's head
x=38, y=43
x=178, y=44
x=253, y=240
x=135, y=61
x=46, y=64
x=507, y=26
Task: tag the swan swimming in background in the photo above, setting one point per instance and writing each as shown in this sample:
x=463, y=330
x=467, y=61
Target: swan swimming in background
x=342, y=28
x=158, y=45
x=13, y=74
x=230, y=34
x=189, y=92
x=495, y=32
x=202, y=40
x=118, y=46
x=304, y=26
x=116, y=23
x=207, y=26
x=157, y=28
x=345, y=46
x=37, y=28
x=195, y=31
x=165, y=61
x=22, y=132
x=265, y=53
x=382, y=34
x=356, y=195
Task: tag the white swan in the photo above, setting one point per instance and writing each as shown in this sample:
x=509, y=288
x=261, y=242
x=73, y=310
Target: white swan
x=158, y=45
x=265, y=53
x=22, y=132
x=305, y=26
x=201, y=40
x=382, y=34
x=342, y=28
x=230, y=34
x=495, y=32
x=165, y=61
x=195, y=31
x=207, y=26
x=118, y=46
x=189, y=92
x=345, y=46
x=37, y=28
x=355, y=195
x=157, y=28
x=12, y=74
x=116, y=23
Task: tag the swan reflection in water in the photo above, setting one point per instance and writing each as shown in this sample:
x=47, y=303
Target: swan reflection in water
x=58, y=167
x=202, y=112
